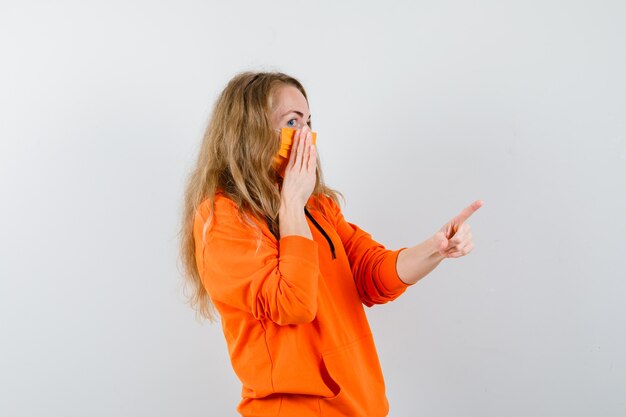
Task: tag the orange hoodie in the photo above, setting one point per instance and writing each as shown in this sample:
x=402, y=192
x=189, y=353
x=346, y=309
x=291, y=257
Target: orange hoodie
x=292, y=310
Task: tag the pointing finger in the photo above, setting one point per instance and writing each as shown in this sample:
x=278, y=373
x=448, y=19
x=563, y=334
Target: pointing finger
x=468, y=211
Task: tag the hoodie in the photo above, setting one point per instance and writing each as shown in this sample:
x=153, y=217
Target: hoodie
x=292, y=310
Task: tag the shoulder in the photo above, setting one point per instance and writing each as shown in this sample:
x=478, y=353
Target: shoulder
x=219, y=211
x=225, y=220
x=218, y=207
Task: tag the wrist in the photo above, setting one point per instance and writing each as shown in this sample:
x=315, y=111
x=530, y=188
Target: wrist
x=289, y=208
x=292, y=221
x=434, y=253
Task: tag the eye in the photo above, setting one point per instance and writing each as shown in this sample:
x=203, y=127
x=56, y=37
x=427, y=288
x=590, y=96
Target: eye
x=291, y=122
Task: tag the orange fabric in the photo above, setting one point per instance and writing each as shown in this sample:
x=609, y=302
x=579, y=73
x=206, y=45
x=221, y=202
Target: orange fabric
x=286, y=140
x=293, y=317
x=281, y=159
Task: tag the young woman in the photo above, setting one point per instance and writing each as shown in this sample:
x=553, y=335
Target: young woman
x=264, y=243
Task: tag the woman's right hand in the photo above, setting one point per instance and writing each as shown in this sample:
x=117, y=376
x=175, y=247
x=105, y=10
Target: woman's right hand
x=299, y=179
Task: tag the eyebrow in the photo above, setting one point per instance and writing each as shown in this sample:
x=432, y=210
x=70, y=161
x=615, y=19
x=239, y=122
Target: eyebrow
x=295, y=111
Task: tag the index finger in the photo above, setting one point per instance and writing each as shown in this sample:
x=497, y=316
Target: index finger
x=468, y=211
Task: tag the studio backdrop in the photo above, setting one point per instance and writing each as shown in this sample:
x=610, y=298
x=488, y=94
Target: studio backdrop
x=420, y=108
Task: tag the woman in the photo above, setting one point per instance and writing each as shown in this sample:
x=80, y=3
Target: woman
x=266, y=245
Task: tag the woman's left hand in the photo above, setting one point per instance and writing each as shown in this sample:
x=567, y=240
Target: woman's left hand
x=454, y=239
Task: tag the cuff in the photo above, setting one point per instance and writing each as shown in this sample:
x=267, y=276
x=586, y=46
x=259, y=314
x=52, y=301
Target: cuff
x=389, y=272
x=299, y=247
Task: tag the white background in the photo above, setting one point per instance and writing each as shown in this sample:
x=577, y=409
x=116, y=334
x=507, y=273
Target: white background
x=420, y=108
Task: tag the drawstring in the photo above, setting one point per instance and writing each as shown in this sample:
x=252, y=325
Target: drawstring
x=332, y=247
x=330, y=242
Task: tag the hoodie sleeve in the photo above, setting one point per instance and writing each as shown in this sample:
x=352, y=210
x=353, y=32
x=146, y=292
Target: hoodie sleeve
x=250, y=272
x=373, y=266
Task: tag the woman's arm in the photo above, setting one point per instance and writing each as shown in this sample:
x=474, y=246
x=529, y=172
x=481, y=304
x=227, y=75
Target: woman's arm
x=248, y=271
x=453, y=240
x=292, y=221
x=416, y=262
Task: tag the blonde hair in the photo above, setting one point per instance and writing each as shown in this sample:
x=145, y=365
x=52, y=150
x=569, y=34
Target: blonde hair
x=237, y=156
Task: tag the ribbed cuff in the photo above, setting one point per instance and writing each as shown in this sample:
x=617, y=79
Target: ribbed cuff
x=300, y=247
x=389, y=272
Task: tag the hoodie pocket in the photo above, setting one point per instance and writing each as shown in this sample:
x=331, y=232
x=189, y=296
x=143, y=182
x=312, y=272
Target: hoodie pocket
x=356, y=377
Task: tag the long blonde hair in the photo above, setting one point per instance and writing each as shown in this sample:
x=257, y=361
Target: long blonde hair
x=237, y=156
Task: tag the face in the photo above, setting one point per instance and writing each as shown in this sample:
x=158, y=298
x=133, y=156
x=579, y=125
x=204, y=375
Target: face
x=290, y=108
